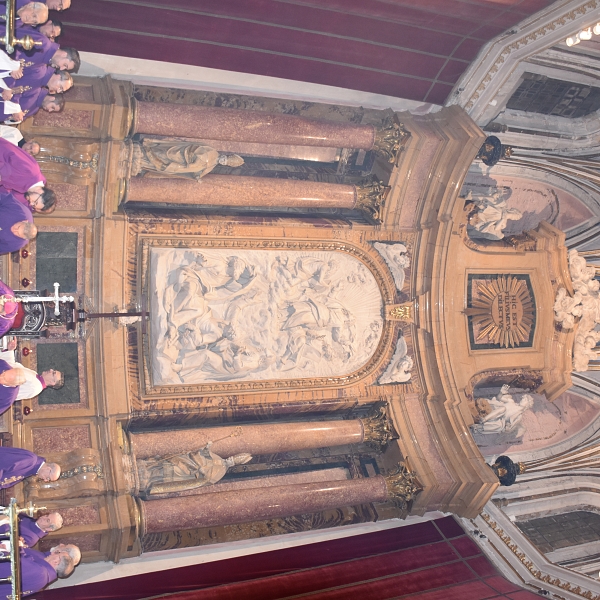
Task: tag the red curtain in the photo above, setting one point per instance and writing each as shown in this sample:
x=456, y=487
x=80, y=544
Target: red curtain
x=435, y=560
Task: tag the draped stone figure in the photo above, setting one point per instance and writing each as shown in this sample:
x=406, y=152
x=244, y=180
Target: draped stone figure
x=176, y=158
x=182, y=472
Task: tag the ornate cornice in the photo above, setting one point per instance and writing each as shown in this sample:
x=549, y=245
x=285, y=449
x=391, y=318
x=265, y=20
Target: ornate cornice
x=501, y=56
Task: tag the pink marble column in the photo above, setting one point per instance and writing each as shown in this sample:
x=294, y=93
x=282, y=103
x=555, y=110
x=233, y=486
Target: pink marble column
x=227, y=190
x=258, y=439
x=205, y=122
x=256, y=504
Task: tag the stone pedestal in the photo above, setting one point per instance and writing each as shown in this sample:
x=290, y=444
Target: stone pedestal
x=254, y=439
x=206, y=122
x=255, y=504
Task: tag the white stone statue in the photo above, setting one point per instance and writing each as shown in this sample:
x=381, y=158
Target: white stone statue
x=399, y=369
x=584, y=305
x=506, y=415
x=493, y=215
x=396, y=258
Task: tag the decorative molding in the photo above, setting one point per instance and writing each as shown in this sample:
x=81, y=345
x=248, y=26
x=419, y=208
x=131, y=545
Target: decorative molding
x=519, y=561
x=382, y=351
x=500, y=57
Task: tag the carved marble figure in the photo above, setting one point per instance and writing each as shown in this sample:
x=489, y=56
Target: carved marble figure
x=396, y=258
x=506, y=414
x=186, y=471
x=399, y=369
x=492, y=217
x=176, y=158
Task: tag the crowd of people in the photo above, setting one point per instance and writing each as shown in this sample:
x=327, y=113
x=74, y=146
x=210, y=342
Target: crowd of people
x=30, y=80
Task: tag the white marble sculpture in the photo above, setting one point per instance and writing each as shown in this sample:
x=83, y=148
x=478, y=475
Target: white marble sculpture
x=399, y=369
x=585, y=305
x=396, y=258
x=238, y=315
x=506, y=415
x=493, y=215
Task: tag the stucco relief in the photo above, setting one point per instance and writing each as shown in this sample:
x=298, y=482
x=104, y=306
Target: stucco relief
x=222, y=315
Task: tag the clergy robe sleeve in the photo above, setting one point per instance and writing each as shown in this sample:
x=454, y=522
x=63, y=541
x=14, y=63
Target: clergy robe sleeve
x=16, y=464
x=18, y=170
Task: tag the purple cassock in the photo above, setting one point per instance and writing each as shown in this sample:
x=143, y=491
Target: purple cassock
x=16, y=464
x=36, y=573
x=8, y=395
x=11, y=212
x=19, y=171
x=38, y=55
x=28, y=530
x=34, y=76
x=10, y=310
x=30, y=102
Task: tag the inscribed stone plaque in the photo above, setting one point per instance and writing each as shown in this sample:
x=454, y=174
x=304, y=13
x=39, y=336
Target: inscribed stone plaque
x=62, y=357
x=501, y=311
x=56, y=260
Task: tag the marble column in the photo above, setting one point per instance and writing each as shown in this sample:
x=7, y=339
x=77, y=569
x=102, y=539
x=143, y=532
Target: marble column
x=207, y=122
x=255, y=439
x=228, y=190
x=258, y=503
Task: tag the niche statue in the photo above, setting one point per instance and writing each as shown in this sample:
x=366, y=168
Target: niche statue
x=176, y=158
x=182, y=472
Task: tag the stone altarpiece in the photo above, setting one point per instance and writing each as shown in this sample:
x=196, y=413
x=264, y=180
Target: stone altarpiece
x=362, y=383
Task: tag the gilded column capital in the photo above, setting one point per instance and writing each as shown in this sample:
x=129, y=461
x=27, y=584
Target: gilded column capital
x=403, y=486
x=378, y=430
x=370, y=197
x=390, y=138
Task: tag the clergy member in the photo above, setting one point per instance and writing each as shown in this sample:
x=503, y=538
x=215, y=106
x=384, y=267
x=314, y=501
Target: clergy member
x=28, y=103
x=37, y=571
x=38, y=76
x=52, y=29
x=33, y=530
x=11, y=378
x=8, y=308
x=16, y=223
x=15, y=137
x=32, y=13
x=34, y=384
x=17, y=463
x=19, y=171
x=51, y=4
x=71, y=549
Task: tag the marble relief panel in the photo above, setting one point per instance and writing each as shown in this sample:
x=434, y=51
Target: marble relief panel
x=222, y=315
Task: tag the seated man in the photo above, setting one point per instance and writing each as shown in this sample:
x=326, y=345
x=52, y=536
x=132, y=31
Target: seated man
x=31, y=530
x=36, y=76
x=8, y=308
x=27, y=104
x=34, y=383
x=19, y=171
x=15, y=137
x=52, y=29
x=51, y=4
x=17, y=463
x=16, y=223
x=10, y=381
x=37, y=571
x=71, y=549
x=32, y=13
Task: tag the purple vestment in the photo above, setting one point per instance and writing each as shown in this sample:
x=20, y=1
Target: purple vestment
x=8, y=395
x=35, y=76
x=11, y=212
x=38, y=55
x=10, y=312
x=28, y=530
x=16, y=464
x=30, y=102
x=36, y=573
x=19, y=171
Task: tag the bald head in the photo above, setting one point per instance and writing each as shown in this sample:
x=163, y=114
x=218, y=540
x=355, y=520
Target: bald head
x=50, y=522
x=24, y=230
x=49, y=472
x=33, y=13
x=71, y=549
